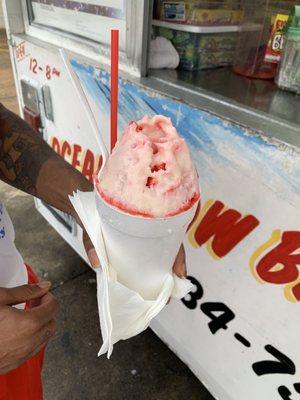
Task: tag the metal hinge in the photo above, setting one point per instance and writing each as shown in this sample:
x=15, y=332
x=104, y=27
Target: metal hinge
x=11, y=42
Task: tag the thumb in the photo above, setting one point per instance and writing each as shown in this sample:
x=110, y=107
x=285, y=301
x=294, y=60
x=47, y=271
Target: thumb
x=21, y=294
x=179, y=266
x=90, y=250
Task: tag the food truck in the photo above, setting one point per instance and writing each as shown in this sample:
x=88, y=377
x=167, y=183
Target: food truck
x=238, y=330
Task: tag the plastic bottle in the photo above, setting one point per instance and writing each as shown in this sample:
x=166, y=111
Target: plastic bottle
x=288, y=76
x=260, y=38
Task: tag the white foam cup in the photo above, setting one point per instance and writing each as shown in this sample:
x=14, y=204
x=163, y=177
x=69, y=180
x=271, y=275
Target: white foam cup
x=142, y=250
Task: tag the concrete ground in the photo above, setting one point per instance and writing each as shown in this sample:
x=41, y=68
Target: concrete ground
x=141, y=368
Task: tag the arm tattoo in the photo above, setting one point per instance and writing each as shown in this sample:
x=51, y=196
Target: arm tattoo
x=22, y=152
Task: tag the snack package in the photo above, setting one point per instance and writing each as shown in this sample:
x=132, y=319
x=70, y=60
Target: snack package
x=195, y=12
x=275, y=44
x=144, y=200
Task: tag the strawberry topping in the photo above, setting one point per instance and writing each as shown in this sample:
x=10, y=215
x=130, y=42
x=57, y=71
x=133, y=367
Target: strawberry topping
x=158, y=167
x=151, y=181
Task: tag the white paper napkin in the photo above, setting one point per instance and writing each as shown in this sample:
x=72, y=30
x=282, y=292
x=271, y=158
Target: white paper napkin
x=123, y=312
x=163, y=54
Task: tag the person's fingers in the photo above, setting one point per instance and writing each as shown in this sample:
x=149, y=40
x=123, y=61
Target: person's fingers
x=42, y=314
x=90, y=250
x=33, y=353
x=44, y=335
x=33, y=303
x=21, y=294
x=179, y=266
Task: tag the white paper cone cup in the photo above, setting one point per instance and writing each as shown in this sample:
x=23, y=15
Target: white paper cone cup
x=142, y=250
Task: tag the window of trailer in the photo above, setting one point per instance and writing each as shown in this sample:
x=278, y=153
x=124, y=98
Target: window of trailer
x=90, y=19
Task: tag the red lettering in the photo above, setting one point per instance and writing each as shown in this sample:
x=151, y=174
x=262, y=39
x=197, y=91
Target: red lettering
x=88, y=165
x=226, y=229
x=33, y=65
x=296, y=291
x=48, y=72
x=55, y=145
x=65, y=149
x=99, y=164
x=283, y=256
x=20, y=51
x=76, y=153
x=55, y=72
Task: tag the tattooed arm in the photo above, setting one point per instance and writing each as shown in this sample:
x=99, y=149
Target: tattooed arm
x=29, y=164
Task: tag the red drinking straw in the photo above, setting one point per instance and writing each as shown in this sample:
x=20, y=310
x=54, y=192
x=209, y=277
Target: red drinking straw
x=114, y=84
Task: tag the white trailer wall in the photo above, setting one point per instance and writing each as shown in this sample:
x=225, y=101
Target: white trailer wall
x=1, y=16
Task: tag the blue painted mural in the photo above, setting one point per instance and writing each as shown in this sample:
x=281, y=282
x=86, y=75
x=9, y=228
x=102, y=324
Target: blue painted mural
x=214, y=143
x=249, y=177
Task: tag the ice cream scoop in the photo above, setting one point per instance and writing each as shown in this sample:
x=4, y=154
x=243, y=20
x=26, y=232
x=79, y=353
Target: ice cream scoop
x=150, y=172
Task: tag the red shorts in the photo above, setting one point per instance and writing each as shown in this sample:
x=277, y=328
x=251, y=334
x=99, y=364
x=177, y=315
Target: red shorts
x=24, y=382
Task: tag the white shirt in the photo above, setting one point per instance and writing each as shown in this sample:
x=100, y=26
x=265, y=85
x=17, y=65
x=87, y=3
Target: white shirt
x=12, y=268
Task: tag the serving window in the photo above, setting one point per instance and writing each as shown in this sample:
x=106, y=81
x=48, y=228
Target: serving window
x=90, y=19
